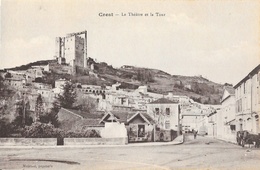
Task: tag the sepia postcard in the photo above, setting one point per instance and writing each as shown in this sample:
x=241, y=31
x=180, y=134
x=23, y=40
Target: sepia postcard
x=120, y=84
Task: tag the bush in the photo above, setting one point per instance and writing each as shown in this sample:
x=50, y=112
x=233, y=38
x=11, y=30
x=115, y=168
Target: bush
x=5, y=128
x=89, y=133
x=42, y=130
x=92, y=133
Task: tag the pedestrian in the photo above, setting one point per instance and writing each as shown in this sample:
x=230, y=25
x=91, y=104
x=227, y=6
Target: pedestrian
x=195, y=133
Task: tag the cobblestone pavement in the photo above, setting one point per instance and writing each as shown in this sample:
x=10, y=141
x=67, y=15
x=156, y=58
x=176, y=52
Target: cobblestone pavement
x=200, y=153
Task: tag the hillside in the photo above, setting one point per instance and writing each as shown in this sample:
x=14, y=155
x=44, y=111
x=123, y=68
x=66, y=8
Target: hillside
x=198, y=88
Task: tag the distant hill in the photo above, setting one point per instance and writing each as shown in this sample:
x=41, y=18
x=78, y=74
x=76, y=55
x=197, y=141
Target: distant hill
x=198, y=88
x=27, y=66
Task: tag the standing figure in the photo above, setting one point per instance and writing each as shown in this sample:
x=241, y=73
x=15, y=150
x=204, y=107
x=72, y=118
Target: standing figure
x=195, y=134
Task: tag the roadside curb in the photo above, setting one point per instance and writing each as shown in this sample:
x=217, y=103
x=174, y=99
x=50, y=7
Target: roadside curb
x=177, y=141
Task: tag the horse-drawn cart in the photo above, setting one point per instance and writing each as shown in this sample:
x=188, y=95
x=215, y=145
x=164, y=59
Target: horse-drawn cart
x=244, y=137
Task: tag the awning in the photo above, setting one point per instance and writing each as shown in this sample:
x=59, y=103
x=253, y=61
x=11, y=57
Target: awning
x=231, y=122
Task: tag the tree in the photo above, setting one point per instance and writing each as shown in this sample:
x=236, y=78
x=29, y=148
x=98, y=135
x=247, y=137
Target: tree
x=7, y=112
x=1, y=84
x=179, y=85
x=66, y=100
x=39, y=107
x=42, y=130
x=8, y=75
x=5, y=126
x=52, y=116
x=144, y=76
x=86, y=104
x=68, y=97
x=23, y=115
x=199, y=99
x=38, y=80
x=196, y=88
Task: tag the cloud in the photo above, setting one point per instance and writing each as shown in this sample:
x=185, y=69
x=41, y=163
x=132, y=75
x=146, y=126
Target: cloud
x=230, y=64
x=20, y=51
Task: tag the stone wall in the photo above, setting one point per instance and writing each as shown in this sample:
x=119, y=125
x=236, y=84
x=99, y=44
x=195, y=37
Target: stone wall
x=67, y=141
x=28, y=141
x=95, y=141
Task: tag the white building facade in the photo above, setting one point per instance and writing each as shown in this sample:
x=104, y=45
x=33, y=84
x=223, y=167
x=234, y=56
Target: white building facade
x=166, y=114
x=247, y=96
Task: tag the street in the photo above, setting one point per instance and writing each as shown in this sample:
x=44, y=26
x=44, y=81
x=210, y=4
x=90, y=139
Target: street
x=200, y=153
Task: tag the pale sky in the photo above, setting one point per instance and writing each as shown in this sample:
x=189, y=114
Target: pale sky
x=216, y=39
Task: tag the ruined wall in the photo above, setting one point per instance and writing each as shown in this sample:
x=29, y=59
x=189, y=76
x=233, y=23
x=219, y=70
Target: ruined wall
x=72, y=49
x=79, y=51
x=69, y=50
x=58, y=47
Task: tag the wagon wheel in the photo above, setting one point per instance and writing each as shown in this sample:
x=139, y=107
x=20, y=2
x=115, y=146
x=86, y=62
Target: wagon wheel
x=239, y=142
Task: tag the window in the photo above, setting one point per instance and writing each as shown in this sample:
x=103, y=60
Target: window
x=233, y=127
x=103, y=96
x=157, y=111
x=168, y=111
x=141, y=130
x=167, y=125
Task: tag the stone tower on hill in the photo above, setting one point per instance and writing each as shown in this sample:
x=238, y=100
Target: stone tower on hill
x=72, y=49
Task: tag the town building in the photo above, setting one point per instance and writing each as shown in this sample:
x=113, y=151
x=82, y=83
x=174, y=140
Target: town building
x=92, y=89
x=140, y=126
x=207, y=119
x=43, y=67
x=247, y=96
x=16, y=74
x=58, y=86
x=33, y=73
x=189, y=122
x=41, y=85
x=166, y=114
x=227, y=115
x=127, y=67
x=15, y=83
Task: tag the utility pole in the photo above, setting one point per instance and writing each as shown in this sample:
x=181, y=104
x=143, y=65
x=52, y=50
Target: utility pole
x=23, y=105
